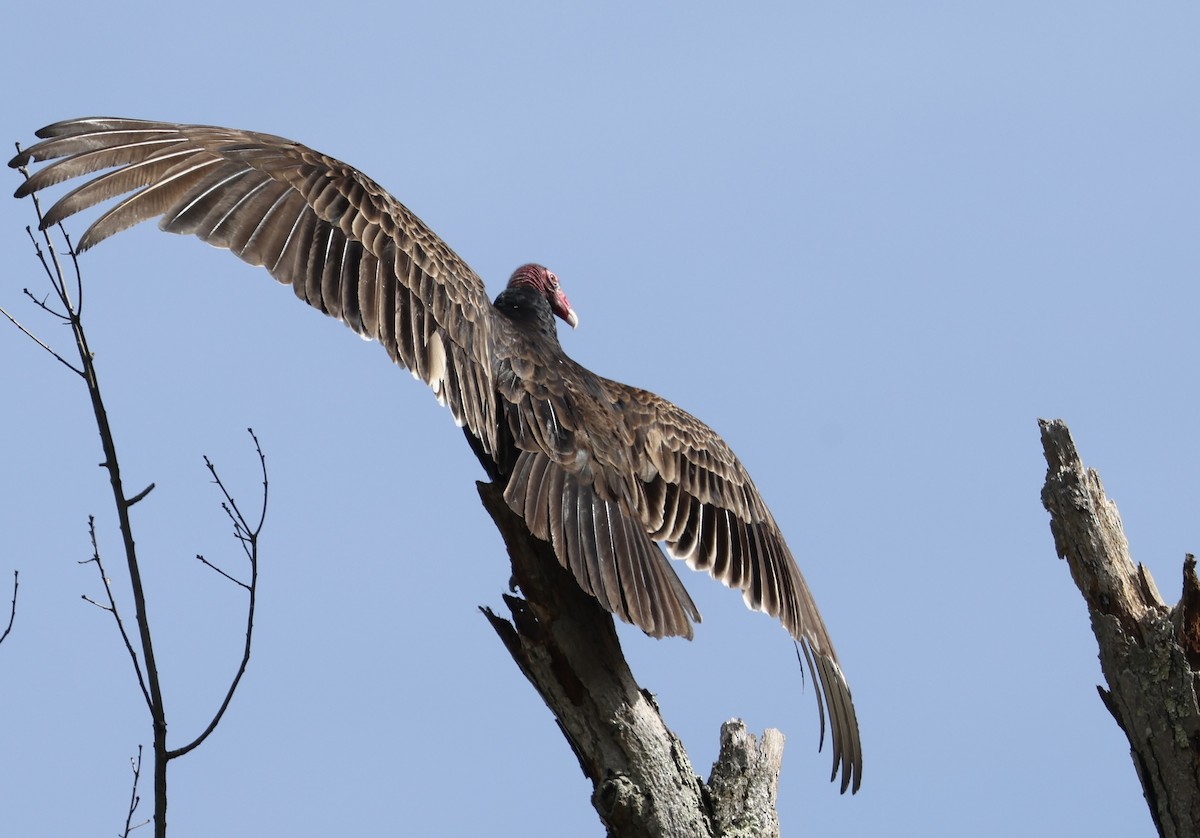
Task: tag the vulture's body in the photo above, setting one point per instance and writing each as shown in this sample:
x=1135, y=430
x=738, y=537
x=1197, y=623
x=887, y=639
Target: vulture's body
x=599, y=469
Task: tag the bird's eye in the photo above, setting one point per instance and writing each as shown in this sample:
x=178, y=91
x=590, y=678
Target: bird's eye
x=553, y=279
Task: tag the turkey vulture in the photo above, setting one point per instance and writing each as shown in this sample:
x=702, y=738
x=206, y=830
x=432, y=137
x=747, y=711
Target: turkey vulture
x=599, y=469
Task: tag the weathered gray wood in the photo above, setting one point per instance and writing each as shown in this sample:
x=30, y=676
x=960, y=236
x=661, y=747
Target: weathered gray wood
x=1151, y=686
x=643, y=782
x=745, y=781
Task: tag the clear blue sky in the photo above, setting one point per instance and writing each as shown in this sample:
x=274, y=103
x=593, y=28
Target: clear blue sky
x=869, y=243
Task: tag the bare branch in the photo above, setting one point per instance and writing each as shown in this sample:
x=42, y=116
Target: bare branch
x=248, y=537
x=70, y=314
x=145, y=665
x=241, y=528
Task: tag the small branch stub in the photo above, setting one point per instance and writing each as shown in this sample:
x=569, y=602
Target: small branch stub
x=744, y=784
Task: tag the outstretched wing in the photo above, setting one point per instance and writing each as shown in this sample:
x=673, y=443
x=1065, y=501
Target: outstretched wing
x=698, y=499
x=608, y=469
x=345, y=245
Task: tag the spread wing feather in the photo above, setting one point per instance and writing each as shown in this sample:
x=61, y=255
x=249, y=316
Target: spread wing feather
x=606, y=550
x=345, y=245
x=700, y=501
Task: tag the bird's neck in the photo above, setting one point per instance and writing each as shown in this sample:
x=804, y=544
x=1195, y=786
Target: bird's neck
x=529, y=310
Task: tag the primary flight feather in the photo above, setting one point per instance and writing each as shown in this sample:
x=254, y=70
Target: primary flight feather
x=599, y=469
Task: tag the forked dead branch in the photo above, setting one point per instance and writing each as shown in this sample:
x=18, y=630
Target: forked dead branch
x=1147, y=648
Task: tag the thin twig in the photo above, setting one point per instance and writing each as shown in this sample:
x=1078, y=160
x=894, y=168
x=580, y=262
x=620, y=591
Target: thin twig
x=240, y=530
x=112, y=608
x=59, y=289
x=12, y=614
x=134, y=797
x=262, y=464
x=219, y=571
x=115, y=612
x=91, y=601
x=55, y=273
x=40, y=342
x=42, y=304
x=74, y=254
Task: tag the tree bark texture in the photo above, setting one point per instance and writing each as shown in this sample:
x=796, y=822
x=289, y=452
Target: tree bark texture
x=643, y=782
x=1148, y=650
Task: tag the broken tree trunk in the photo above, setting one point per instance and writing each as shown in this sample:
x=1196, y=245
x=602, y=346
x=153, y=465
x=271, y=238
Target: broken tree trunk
x=643, y=783
x=1148, y=650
